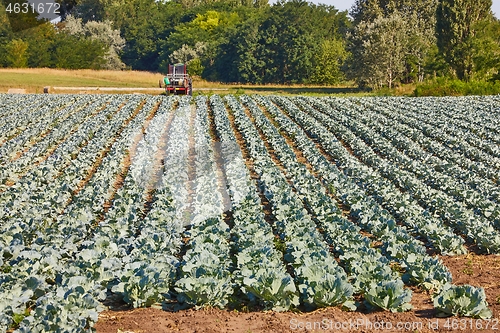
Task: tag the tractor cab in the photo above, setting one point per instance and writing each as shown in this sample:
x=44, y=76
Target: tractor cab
x=177, y=81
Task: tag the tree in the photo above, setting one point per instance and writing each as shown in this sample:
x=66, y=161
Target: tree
x=232, y=3
x=236, y=60
x=328, y=62
x=187, y=55
x=419, y=16
x=486, y=48
x=41, y=43
x=77, y=52
x=90, y=10
x=103, y=32
x=16, y=53
x=289, y=38
x=201, y=37
x=456, y=29
x=6, y=35
x=382, y=51
x=366, y=11
x=283, y=44
x=21, y=19
x=144, y=24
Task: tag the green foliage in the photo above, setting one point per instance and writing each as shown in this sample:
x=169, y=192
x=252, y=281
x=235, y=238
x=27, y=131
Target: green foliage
x=17, y=318
x=390, y=296
x=454, y=87
x=74, y=52
x=456, y=29
x=145, y=286
x=234, y=50
x=102, y=32
x=391, y=40
x=464, y=301
x=381, y=55
x=287, y=44
x=328, y=62
x=274, y=291
x=435, y=65
x=486, y=47
x=279, y=244
x=322, y=289
x=199, y=38
x=90, y=10
x=16, y=53
x=41, y=43
x=47, y=45
x=240, y=91
x=144, y=24
x=385, y=44
x=195, y=67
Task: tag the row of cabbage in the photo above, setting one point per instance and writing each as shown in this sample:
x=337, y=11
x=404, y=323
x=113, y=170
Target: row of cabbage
x=426, y=151
x=37, y=152
x=132, y=253
x=477, y=116
x=457, y=150
x=450, y=210
x=398, y=244
x=374, y=189
x=52, y=289
x=63, y=251
x=421, y=269
x=355, y=119
x=21, y=114
x=369, y=271
x=320, y=279
x=259, y=272
x=480, y=145
x=205, y=273
x=41, y=195
x=149, y=240
x=44, y=124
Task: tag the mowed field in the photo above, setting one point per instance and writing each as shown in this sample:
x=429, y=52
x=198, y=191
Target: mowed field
x=34, y=80
x=249, y=213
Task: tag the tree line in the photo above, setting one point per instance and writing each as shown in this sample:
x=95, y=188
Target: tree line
x=378, y=43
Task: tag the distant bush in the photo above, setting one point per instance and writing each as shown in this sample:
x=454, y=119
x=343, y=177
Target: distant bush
x=449, y=87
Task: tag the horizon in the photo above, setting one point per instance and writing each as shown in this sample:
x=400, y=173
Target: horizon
x=347, y=4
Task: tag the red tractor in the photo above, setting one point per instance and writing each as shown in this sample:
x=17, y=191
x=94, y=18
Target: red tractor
x=177, y=81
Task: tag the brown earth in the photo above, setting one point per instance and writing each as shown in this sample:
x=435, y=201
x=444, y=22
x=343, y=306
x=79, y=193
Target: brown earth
x=477, y=270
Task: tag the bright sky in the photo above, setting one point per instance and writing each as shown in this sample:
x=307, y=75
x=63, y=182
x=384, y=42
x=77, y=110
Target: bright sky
x=347, y=4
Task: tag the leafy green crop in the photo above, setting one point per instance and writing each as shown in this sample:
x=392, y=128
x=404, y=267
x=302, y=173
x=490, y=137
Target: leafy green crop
x=464, y=301
x=390, y=296
x=185, y=223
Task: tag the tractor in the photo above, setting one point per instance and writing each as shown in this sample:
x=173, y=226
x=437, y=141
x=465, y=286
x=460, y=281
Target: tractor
x=177, y=81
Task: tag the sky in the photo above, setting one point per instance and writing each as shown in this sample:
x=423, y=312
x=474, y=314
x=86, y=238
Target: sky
x=347, y=4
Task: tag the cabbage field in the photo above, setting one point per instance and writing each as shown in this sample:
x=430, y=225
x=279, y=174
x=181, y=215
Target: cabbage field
x=263, y=202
